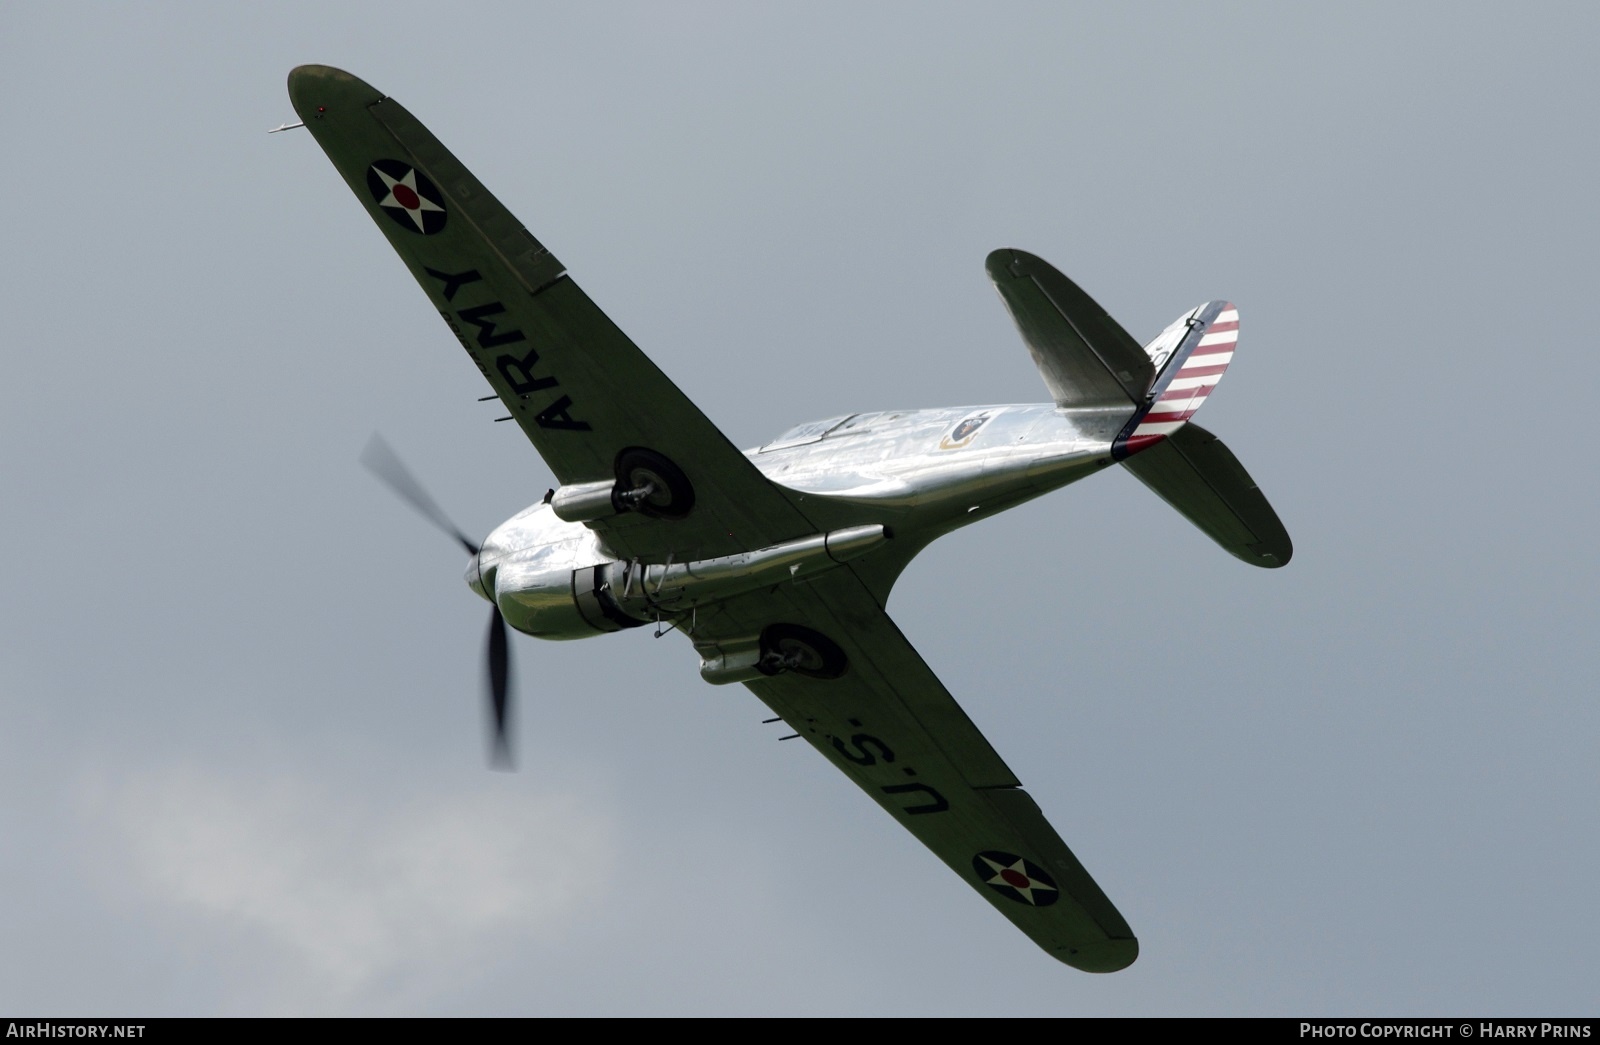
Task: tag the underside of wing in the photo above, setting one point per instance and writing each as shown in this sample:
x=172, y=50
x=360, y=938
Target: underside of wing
x=588, y=399
x=877, y=711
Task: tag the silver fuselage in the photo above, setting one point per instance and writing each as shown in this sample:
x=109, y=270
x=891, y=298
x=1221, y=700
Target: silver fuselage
x=912, y=474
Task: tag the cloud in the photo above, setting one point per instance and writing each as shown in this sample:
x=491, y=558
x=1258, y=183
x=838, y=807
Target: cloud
x=363, y=903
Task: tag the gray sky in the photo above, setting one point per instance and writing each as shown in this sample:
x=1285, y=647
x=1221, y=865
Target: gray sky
x=241, y=747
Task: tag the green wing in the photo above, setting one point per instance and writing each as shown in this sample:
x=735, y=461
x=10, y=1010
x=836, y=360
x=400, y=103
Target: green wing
x=891, y=727
x=574, y=382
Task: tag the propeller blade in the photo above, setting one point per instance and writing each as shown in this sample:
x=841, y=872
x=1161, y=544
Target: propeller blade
x=383, y=462
x=386, y=465
x=498, y=678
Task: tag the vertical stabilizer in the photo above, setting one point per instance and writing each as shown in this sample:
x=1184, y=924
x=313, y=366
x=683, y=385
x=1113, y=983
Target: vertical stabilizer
x=1191, y=355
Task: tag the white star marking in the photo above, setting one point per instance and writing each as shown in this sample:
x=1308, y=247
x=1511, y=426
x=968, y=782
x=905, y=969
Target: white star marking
x=1018, y=869
x=409, y=182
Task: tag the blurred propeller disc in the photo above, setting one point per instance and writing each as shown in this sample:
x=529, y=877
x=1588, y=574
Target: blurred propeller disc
x=386, y=465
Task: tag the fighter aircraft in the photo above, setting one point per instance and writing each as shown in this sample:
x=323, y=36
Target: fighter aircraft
x=777, y=562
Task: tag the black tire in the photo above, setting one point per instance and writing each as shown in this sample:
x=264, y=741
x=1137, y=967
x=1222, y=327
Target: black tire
x=673, y=497
x=820, y=656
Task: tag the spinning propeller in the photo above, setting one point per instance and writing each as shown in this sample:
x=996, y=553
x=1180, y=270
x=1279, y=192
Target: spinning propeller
x=383, y=463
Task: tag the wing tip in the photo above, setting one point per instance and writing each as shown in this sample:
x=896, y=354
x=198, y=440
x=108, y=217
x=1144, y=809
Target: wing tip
x=321, y=84
x=1101, y=956
x=1269, y=555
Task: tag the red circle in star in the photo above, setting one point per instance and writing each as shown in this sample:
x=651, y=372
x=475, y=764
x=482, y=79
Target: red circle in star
x=407, y=196
x=1018, y=880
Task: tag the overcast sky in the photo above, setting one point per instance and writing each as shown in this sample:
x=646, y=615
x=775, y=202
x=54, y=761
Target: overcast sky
x=241, y=741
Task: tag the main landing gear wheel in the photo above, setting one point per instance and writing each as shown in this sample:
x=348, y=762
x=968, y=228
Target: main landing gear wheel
x=669, y=496
x=790, y=647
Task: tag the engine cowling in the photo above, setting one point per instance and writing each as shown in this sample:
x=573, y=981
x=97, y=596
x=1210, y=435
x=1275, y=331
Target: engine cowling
x=560, y=603
x=557, y=590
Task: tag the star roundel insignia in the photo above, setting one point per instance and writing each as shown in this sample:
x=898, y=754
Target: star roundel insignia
x=407, y=196
x=1016, y=879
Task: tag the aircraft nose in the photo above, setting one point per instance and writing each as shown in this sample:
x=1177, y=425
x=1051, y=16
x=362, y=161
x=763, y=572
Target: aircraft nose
x=474, y=579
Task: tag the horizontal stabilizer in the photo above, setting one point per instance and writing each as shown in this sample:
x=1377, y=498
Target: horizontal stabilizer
x=1194, y=472
x=1084, y=356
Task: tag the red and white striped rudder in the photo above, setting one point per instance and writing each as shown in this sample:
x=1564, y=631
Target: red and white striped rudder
x=1191, y=355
